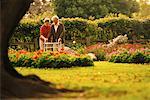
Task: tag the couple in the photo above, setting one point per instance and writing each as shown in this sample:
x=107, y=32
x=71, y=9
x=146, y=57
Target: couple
x=52, y=32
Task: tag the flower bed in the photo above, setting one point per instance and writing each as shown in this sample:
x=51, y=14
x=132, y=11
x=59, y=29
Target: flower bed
x=130, y=57
x=40, y=59
x=121, y=53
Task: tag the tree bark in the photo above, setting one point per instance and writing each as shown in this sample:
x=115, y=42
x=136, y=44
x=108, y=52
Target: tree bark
x=13, y=84
x=11, y=13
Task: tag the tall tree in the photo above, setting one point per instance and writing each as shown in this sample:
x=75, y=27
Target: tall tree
x=13, y=84
x=144, y=8
x=40, y=7
x=95, y=8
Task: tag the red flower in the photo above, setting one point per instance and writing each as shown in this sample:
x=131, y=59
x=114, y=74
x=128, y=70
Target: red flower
x=35, y=56
x=22, y=52
x=51, y=53
x=39, y=52
x=62, y=49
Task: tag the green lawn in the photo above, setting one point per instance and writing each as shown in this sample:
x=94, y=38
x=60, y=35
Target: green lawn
x=105, y=80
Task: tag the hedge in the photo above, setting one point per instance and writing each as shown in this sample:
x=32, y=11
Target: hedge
x=86, y=31
x=40, y=59
x=126, y=57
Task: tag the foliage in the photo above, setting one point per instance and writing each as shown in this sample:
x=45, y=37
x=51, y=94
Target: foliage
x=26, y=32
x=121, y=53
x=24, y=60
x=40, y=59
x=131, y=57
x=127, y=26
x=87, y=32
x=120, y=58
x=82, y=61
x=139, y=57
x=40, y=8
x=94, y=8
x=104, y=81
x=144, y=9
x=99, y=53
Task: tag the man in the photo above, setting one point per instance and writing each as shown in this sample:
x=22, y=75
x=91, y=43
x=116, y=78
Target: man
x=44, y=32
x=57, y=31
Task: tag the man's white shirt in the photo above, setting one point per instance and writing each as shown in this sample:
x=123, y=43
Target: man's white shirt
x=56, y=27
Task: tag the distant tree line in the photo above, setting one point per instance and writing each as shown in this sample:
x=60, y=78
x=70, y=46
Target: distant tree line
x=88, y=8
x=94, y=8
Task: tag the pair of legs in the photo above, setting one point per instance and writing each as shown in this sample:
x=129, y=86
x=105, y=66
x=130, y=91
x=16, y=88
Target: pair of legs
x=41, y=43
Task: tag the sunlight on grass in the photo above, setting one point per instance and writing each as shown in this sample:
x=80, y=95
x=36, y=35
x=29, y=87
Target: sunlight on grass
x=104, y=80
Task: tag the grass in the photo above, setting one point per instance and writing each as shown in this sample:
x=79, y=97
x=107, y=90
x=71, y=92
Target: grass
x=104, y=81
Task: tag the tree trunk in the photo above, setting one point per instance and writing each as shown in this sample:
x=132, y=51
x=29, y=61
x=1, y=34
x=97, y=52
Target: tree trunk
x=13, y=84
x=11, y=13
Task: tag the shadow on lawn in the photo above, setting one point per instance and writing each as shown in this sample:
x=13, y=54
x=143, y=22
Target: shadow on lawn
x=46, y=83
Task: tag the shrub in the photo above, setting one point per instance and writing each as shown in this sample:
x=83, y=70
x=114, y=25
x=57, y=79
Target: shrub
x=137, y=57
x=44, y=61
x=48, y=60
x=82, y=61
x=12, y=59
x=100, y=54
x=146, y=30
x=25, y=60
x=147, y=58
x=120, y=58
x=126, y=57
x=98, y=50
x=63, y=61
x=120, y=53
x=87, y=32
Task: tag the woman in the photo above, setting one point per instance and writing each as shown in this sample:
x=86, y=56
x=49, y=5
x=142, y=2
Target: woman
x=44, y=32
